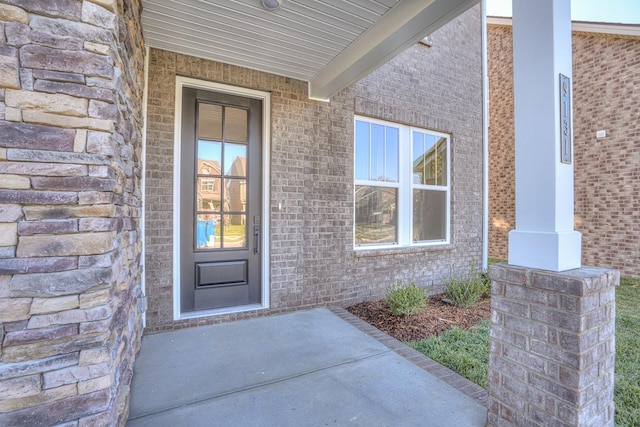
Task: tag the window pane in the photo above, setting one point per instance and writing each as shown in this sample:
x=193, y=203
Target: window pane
x=429, y=215
x=208, y=232
x=376, y=215
x=363, y=136
x=235, y=159
x=208, y=194
x=235, y=124
x=431, y=160
x=235, y=196
x=418, y=156
x=442, y=162
x=209, y=121
x=235, y=231
x=209, y=157
x=391, y=155
x=377, y=153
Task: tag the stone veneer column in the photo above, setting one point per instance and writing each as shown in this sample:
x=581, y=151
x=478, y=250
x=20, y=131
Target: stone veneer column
x=71, y=81
x=552, y=347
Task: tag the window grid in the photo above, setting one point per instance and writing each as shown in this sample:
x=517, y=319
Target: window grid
x=414, y=199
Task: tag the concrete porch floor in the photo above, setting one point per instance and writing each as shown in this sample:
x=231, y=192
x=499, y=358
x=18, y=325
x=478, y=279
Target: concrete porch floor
x=309, y=368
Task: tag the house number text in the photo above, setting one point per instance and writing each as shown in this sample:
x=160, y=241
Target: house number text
x=565, y=119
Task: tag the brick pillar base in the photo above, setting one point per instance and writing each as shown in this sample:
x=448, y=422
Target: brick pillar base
x=552, y=347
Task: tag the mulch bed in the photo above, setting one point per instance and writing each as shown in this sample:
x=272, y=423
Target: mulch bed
x=434, y=320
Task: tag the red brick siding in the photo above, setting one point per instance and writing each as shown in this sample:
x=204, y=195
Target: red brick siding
x=606, y=74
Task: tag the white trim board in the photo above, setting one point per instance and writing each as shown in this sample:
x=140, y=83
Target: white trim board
x=265, y=97
x=143, y=184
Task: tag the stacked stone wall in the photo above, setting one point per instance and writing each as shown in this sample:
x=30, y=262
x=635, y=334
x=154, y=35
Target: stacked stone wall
x=71, y=81
x=312, y=258
x=605, y=75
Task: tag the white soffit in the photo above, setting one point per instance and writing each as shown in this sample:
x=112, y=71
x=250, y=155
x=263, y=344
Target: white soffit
x=328, y=43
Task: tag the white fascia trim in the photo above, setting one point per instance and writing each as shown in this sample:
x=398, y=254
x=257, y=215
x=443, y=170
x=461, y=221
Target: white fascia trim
x=404, y=25
x=265, y=97
x=586, y=27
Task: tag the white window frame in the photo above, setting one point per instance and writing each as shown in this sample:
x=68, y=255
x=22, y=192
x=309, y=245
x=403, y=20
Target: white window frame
x=405, y=187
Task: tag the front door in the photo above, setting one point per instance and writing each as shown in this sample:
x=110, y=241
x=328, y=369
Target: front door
x=220, y=201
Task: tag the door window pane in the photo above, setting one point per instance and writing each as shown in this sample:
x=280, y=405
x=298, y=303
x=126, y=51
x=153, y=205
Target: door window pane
x=209, y=158
x=209, y=121
x=235, y=124
x=376, y=215
x=235, y=197
x=208, y=231
x=429, y=215
x=208, y=194
x=235, y=231
x=235, y=159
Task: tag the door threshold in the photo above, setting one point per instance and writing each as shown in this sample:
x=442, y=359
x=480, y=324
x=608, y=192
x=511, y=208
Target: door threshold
x=221, y=311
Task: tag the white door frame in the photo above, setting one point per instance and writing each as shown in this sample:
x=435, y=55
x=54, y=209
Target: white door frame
x=265, y=97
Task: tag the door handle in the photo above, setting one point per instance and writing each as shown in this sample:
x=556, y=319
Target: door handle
x=256, y=239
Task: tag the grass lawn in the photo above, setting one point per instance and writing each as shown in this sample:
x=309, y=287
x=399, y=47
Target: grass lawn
x=466, y=352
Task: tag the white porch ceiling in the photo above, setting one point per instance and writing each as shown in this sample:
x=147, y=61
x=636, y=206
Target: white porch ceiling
x=328, y=43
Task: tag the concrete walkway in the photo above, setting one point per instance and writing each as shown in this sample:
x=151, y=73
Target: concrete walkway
x=311, y=368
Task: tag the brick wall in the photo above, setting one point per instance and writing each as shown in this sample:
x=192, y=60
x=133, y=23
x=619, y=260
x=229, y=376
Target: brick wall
x=605, y=75
x=70, y=119
x=313, y=262
x=552, y=347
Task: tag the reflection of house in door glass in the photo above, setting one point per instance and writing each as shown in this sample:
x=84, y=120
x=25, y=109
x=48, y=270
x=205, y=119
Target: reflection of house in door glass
x=236, y=195
x=208, y=187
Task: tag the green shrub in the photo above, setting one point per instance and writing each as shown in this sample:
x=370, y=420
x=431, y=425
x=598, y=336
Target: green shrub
x=466, y=291
x=406, y=300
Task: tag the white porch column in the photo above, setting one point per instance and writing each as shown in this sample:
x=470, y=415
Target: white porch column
x=544, y=237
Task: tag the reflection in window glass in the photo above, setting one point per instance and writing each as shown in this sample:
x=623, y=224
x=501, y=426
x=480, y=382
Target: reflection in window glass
x=235, y=159
x=402, y=192
x=376, y=152
x=363, y=152
x=429, y=215
x=441, y=173
x=209, y=121
x=235, y=124
x=391, y=154
x=208, y=231
x=376, y=215
x=235, y=231
x=235, y=196
x=209, y=156
x=221, y=187
x=429, y=159
x=209, y=194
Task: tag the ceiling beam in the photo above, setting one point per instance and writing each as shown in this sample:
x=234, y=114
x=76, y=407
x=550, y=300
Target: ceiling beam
x=404, y=25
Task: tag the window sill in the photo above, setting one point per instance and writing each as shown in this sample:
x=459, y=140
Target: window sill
x=402, y=250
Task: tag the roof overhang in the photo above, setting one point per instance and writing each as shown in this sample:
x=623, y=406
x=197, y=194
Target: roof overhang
x=328, y=43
